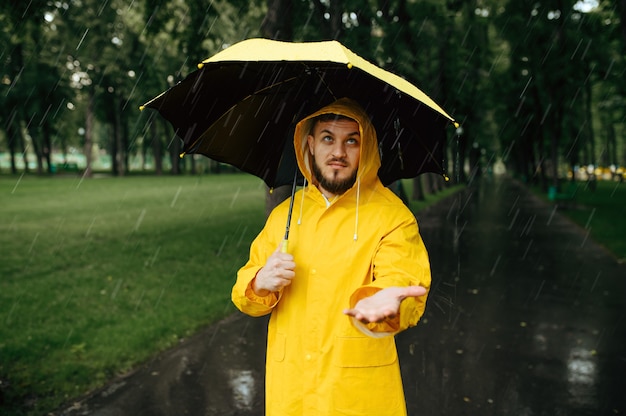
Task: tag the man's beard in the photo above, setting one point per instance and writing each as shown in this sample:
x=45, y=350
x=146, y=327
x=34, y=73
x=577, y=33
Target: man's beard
x=334, y=186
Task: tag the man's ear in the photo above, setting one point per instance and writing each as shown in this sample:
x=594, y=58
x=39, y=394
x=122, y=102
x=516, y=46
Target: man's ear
x=310, y=140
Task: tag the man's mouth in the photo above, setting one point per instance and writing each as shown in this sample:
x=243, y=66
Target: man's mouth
x=337, y=163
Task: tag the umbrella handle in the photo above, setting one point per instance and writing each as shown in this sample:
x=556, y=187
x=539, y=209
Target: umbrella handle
x=285, y=242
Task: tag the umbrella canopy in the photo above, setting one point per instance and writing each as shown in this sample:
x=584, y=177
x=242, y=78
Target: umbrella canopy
x=241, y=106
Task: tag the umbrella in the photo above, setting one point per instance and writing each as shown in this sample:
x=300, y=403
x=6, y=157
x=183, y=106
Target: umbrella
x=241, y=106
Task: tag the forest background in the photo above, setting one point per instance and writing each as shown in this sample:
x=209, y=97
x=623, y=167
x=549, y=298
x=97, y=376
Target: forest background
x=538, y=86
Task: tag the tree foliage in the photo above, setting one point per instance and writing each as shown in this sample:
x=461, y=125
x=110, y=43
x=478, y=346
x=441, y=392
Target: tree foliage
x=538, y=85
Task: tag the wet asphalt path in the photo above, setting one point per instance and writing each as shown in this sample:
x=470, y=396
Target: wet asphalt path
x=526, y=317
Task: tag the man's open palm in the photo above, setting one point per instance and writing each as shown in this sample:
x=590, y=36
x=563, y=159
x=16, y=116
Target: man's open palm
x=383, y=304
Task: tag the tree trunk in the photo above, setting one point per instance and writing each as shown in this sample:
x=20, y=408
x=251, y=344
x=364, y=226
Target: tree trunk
x=89, y=122
x=37, y=148
x=418, y=189
x=47, y=145
x=157, y=147
x=336, y=14
x=12, y=138
x=277, y=25
x=118, y=136
x=276, y=196
x=277, y=22
x=115, y=151
x=622, y=13
x=175, y=159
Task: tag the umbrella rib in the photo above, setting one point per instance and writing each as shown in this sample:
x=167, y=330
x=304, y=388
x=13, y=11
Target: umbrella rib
x=273, y=86
x=323, y=82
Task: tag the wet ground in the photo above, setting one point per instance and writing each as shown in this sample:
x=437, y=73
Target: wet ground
x=526, y=317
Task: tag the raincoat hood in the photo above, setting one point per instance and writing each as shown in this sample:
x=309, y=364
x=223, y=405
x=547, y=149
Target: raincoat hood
x=370, y=159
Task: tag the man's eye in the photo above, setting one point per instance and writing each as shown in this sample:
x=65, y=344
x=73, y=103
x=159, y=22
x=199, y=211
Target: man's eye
x=327, y=138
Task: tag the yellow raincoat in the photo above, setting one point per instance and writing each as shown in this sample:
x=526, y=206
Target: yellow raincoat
x=318, y=361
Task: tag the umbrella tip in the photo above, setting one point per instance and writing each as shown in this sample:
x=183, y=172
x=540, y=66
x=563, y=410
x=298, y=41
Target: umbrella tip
x=182, y=155
x=349, y=65
x=200, y=65
x=446, y=178
x=456, y=125
x=142, y=107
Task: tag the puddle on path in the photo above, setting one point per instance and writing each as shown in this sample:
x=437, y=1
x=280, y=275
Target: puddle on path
x=242, y=384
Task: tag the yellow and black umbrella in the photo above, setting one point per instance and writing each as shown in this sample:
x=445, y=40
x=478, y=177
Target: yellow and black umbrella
x=241, y=105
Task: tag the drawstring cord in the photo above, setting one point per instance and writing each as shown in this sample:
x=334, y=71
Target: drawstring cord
x=302, y=202
x=356, y=217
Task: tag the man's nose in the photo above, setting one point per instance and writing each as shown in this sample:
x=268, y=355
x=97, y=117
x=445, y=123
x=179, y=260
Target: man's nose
x=339, y=150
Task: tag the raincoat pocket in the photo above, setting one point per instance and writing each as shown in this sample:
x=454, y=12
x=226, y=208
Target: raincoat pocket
x=278, y=347
x=364, y=352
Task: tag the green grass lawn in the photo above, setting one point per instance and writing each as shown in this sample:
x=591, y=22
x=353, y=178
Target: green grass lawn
x=601, y=211
x=99, y=275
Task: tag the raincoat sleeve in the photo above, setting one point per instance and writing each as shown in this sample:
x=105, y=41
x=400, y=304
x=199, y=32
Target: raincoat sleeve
x=400, y=260
x=243, y=295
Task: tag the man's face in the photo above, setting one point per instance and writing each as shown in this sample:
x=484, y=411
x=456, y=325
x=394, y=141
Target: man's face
x=336, y=149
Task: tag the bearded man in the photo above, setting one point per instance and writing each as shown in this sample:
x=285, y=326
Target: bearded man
x=356, y=273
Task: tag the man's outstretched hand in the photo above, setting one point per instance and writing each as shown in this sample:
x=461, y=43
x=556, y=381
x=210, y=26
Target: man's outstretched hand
x=383, y=304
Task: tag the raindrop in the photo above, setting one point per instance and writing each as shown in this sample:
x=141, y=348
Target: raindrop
x=552, y=215
x=235, y=197
x=82, y=38
x=82, y=178
x=458, y=232
x=222, y=246
x=540, y=289
x=117, y=289
x=69, y=335
x=140, y=219
x=528, y=226
x=17, y=183
x=514, y=204
x=593, y=211
x=513, y=220
x=156, y=304
x=10, y=314
x=150, y=262
x=530, y=243
x=143, y=292
x=180, y=188
x=493, y=269
x=90, y=227
x=595, y=282
x=243, y=232
x=32, y=245
x=523, y=93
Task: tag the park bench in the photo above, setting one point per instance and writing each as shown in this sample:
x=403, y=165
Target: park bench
x=65, y=167
x=565, y=198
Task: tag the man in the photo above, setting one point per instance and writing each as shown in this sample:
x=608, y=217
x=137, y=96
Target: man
x=356, y=273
